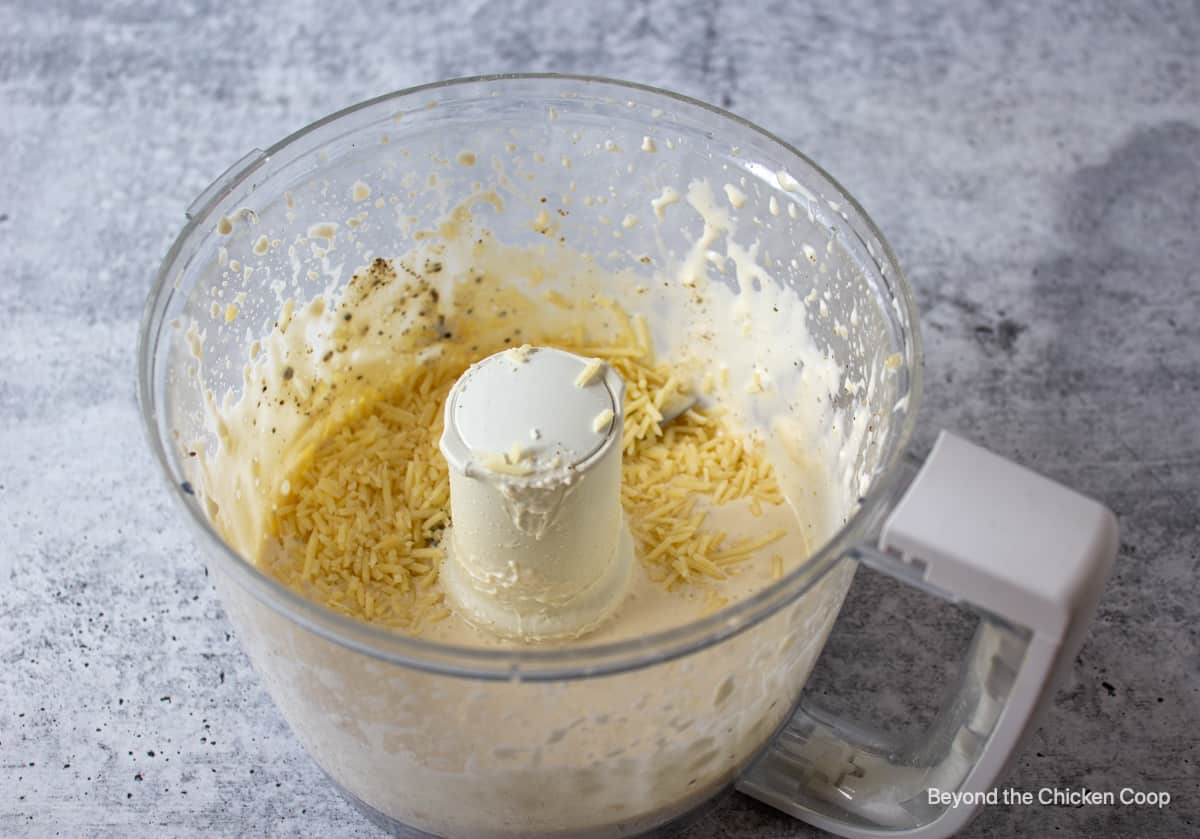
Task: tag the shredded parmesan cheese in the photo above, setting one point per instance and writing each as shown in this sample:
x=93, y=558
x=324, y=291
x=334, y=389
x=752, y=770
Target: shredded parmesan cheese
x=519, y=355
x=589, y=374
x=602, y=421
x=359, y=520
x=510, y=463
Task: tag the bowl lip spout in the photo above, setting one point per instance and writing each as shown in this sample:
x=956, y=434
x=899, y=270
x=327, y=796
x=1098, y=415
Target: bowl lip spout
x=535, y=663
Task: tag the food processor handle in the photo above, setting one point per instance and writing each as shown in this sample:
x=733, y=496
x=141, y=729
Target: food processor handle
x=1030, y=557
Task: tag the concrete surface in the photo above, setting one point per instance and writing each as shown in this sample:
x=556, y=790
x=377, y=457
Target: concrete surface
x=1038, y=171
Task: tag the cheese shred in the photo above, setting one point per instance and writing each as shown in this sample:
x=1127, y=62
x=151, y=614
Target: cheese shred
x=589, y=373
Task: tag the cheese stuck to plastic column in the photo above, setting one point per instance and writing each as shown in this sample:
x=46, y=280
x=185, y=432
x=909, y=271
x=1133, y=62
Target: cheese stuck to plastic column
x=538, y=549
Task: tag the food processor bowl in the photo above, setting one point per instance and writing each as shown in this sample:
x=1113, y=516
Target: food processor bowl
x=591, y=739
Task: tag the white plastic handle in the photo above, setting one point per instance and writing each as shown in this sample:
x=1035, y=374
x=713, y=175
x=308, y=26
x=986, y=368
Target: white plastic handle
x=1031, y=557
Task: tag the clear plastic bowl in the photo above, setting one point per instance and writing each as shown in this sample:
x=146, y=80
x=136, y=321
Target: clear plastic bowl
x=463, y=741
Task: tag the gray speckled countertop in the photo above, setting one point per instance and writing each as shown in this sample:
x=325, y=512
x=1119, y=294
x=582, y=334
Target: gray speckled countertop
x=1038, y=173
